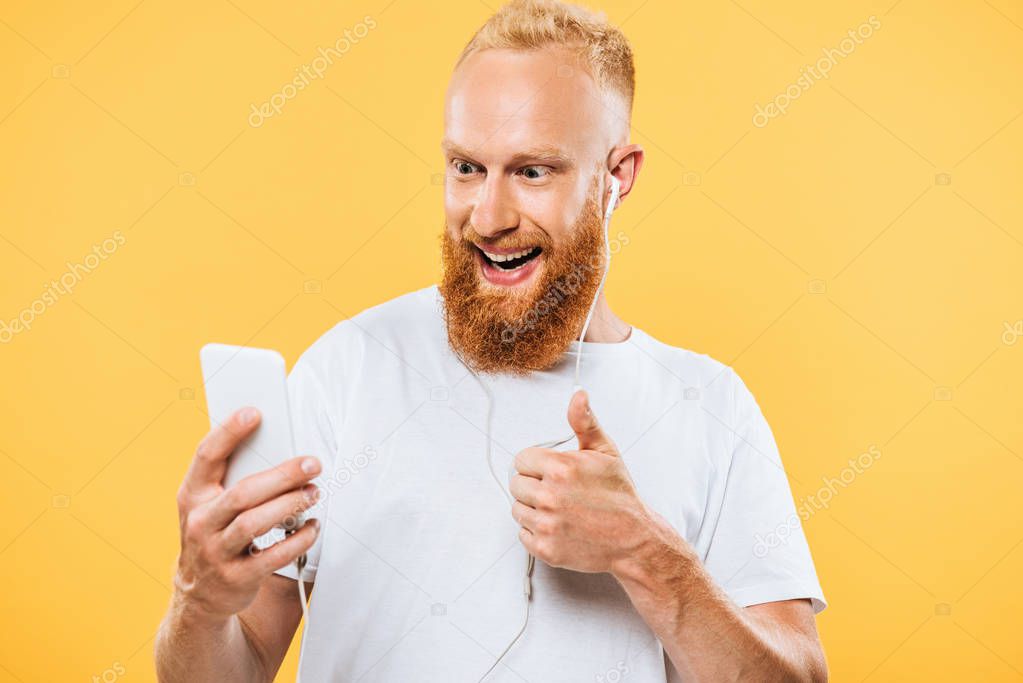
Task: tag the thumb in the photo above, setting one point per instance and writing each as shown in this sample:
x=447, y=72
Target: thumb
x=587, y=429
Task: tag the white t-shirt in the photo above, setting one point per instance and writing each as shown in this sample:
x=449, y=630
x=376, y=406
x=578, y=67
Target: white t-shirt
x=418, y=567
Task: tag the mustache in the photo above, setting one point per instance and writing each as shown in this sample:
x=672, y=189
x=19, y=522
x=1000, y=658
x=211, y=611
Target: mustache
x=517, y=240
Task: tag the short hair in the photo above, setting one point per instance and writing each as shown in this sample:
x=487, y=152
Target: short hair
x=536, y=24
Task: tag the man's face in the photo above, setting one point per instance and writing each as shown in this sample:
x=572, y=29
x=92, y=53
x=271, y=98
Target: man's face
x=526, y=142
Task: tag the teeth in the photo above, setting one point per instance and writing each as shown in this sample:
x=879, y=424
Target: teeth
x=508, y=257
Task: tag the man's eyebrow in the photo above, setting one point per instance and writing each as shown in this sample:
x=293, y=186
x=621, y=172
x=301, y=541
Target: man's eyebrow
x=452, y=149
x=543, y=153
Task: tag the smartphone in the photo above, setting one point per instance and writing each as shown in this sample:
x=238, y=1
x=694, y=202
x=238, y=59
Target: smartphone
x=239, y=376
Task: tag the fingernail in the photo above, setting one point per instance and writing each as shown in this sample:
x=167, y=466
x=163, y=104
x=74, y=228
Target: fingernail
x=248, y=416
x=316, y=524
x=310, y=465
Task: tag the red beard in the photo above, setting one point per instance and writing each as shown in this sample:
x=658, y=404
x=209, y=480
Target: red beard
x=497, y=330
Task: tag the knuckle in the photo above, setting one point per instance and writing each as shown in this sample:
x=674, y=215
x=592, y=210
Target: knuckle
x=194, y=526
x=245, y=526
x=547, y=526
x=233, y=497
x=519, y=461
x=546, y=500
x=542, y=550
x=207, y=449
x=519, y=511
x=183, y=500
x=205, y=558
x=222, y=573
x=559, y=473
x=525, y=455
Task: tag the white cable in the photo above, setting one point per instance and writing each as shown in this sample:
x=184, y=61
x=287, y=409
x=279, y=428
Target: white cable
x=527, y=581
x=530, y=560
x=300, y=563
x=512, y=643
x=615, y=185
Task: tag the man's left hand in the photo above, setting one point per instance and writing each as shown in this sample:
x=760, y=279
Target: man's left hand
x=578, y=509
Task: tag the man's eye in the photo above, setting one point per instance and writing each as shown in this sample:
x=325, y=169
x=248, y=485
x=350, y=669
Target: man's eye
x=464, y=167
x=535, y=172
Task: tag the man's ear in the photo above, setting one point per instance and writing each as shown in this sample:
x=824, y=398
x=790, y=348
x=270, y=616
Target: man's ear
x=624, y=163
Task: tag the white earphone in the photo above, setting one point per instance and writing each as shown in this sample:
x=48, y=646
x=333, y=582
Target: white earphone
x=615, y=188
x=527, y=584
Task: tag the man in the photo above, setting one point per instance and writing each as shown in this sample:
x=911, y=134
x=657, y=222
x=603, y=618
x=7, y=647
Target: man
x=645, y=527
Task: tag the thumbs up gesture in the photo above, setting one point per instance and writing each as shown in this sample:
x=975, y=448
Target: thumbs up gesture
x=578, y=509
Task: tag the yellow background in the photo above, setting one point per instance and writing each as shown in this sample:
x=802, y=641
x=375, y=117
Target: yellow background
x=857, y=260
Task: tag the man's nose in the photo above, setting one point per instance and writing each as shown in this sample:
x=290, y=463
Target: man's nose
x=495, y=210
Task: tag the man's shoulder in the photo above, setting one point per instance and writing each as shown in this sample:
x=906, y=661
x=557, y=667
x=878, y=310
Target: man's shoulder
x=406, y=312
x=720, y=390
x=701, y=372
x=392, y=323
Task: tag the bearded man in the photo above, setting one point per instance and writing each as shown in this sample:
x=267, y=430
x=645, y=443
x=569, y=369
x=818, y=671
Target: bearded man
x=459, y=535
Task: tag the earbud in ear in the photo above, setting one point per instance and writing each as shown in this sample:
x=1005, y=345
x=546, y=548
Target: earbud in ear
x=616, y=186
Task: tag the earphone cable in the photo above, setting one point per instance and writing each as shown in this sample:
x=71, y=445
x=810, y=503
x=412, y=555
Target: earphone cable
x=530, y=560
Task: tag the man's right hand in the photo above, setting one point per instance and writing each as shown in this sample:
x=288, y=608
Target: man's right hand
x=218, y=575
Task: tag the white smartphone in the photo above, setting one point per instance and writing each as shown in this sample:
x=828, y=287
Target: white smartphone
x=239, y=376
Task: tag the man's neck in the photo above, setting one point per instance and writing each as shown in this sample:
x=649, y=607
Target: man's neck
x=606, y=327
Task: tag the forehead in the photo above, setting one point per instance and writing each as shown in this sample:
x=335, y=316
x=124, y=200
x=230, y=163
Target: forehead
x=501, y=102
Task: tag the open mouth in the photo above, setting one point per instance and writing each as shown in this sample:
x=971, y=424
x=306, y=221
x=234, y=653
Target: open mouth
x=512, y=261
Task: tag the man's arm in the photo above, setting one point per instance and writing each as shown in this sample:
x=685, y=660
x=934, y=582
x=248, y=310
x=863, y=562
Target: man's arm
x=248, y=646
x=579, y=510
x=706, y=635
x=231, y=618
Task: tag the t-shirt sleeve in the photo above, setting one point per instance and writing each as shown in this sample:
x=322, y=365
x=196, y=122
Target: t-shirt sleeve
x=758, y=552
x=312, y=420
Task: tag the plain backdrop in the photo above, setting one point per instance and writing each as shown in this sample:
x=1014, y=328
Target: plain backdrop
x=856, y=258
